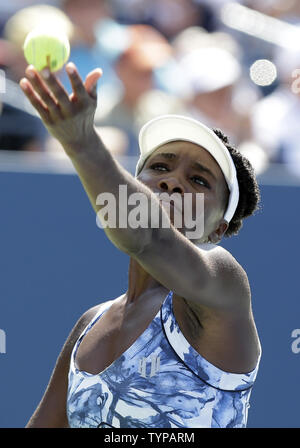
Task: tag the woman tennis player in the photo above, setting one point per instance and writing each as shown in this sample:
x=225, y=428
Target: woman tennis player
x=179, y=349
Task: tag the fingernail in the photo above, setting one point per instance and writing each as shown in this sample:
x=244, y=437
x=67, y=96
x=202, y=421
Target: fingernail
x=45, y=73
x=70, y=68
x=30, y=72
x=23, y=83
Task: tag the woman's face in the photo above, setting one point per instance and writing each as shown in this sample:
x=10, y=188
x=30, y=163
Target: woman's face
x=184, y=167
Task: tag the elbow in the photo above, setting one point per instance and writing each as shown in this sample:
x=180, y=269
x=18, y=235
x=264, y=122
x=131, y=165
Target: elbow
x=143, y=239
x=152, y=241
x=131, y=242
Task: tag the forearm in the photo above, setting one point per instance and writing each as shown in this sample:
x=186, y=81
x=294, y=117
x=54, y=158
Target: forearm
x=100, y=173
x=70, y=119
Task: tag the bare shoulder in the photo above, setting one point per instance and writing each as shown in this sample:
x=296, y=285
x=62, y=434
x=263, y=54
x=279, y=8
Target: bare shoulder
x=228, y=336
x=84, y=320
x=228, y=265
x=232, y=283
x=79, y=327
x=51, y=411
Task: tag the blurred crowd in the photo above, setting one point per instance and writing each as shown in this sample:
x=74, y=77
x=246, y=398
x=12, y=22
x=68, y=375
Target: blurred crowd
x=191, y=57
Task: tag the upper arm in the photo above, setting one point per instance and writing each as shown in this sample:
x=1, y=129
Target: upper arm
x=206, y=274
x=51, y=411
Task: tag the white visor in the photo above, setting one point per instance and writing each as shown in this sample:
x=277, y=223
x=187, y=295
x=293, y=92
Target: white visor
x=168, y=128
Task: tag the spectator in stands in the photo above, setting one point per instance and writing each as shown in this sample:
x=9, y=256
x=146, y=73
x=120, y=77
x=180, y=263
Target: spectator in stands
x=276, y=118
x=213, y=74
x=219, y=94
x=87, y=17
x=20, y=127
x=146, y=50
x=168, y=16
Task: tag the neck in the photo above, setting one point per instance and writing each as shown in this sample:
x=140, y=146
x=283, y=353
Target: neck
x=139, y=281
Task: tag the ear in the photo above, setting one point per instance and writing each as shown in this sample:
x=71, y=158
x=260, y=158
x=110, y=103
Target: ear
x=216, y=236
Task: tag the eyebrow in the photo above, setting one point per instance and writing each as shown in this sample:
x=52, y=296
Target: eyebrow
x=197, y=165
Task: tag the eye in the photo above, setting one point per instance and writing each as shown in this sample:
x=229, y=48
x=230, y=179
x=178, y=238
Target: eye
x=158, y=165
x=204, y=182
x=162, y=167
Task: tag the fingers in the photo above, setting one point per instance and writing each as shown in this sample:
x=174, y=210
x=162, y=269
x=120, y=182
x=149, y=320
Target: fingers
x=83, y=91
x=35, y=100
x=55, y=98
x=50, y=83
x=79, y=91
x=91, y=82
x=50, y=99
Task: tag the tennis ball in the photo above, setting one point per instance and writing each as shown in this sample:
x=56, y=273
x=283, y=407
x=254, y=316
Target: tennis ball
x=46, y=48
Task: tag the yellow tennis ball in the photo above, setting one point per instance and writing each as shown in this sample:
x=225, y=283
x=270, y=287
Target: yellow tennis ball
x=46, y=48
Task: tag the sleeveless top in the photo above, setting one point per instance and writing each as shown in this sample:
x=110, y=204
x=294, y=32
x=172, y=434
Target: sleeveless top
x=160, y=381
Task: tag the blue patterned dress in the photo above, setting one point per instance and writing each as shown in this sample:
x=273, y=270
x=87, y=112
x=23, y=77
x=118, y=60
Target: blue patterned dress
x=160, y=381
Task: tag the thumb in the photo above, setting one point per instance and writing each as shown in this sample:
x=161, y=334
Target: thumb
x=91, y=82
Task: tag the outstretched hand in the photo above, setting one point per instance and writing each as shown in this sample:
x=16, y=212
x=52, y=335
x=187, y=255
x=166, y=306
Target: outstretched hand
x=68, y=118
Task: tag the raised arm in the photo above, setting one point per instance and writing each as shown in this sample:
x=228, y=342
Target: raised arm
x=70, y=119
x=195, y=273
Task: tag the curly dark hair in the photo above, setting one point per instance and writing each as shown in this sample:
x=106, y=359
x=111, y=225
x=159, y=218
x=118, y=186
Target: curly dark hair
x=249, y=200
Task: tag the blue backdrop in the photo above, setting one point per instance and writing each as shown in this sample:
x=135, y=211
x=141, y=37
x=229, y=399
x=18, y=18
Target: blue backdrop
x=55, y=263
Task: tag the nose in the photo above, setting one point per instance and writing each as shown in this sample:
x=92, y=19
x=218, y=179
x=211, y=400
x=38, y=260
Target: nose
x=171, y=185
